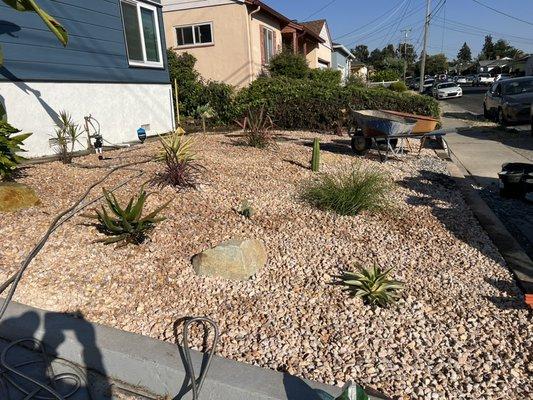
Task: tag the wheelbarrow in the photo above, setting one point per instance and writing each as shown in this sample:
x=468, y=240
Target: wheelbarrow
x=388, y=128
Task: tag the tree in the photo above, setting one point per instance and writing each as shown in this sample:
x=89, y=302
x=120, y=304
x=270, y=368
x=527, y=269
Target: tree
x=376, y=58
x=502, y=48
x=288, y=64
x=436, y=64
x=487, y=53
x=465, y=54
x=361, y=53
x=389, y=51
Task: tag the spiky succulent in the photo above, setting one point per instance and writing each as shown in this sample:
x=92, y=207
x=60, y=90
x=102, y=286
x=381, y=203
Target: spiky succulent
x=126, y=225
x=373, y=285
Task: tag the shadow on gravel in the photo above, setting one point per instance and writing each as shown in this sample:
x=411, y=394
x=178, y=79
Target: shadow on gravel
x=437, y=191
x=513, y=297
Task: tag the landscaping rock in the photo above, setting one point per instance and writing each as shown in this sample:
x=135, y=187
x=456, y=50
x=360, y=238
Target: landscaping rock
x=16, y=196
x=237, y=259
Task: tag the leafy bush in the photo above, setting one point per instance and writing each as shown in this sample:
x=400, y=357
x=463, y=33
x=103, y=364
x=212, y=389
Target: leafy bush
x=349, y=193
x=9, y=147
x=398, y=87
x=315, y=105
x=181, y=68
x=326, y=76
x=219, y=96
x=258, y=128
x=66, y=135
x=181, y=164
x=373, y=285
x=385, y=76
x=355, y=81
x=289, y=65
x=126, y=225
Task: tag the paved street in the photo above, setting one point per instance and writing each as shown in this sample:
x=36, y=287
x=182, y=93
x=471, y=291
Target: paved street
x=480, y=148
x=472, y=99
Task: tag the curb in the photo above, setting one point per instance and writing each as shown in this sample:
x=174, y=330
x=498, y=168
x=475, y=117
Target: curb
x=517, y=260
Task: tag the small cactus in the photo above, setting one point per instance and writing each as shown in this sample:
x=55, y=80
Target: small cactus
x=315, y=160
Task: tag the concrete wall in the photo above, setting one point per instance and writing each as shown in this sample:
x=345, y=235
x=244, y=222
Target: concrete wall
x=227, y=59
x=120, y=108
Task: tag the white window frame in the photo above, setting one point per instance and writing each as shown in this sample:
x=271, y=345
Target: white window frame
x=272, y=53
x=193, y=26
x=154, y=9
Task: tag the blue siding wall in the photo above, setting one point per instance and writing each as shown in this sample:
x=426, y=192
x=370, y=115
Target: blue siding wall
x=96, y=51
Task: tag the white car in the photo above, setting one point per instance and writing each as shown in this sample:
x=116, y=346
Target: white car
x=461, y=80
x=483, y=79
x=447, y=90
x=501, y=77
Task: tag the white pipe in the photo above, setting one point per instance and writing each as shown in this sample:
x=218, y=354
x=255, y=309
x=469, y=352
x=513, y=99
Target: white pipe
x=251, y=69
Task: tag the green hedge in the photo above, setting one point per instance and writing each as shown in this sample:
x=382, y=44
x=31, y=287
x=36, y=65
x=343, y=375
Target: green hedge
x=318, y=105
x=398, y=86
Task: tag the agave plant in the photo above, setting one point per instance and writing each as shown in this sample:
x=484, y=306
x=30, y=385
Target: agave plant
x=126, y=225
x=10, y=145
x=181, y=163
x=258, y=128
x=373, y=285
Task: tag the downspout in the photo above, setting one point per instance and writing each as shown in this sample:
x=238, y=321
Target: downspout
x=251, y=66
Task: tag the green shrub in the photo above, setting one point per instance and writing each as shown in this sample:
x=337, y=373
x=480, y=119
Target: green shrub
x=9, y=147
x=387, y=75
x=355, y=81
x=349, y=193
x=126, y=225
x=219, y=96
x=289, y=65
x=326, y=76
x=398, y=87
x=373, y=285
x=315, y=105
x=181, y=69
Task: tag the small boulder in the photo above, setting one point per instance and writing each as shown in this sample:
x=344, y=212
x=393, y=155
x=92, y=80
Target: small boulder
x=237, y=259
x=16, y=196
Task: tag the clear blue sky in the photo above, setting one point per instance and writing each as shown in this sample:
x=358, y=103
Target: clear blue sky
x=458, y=21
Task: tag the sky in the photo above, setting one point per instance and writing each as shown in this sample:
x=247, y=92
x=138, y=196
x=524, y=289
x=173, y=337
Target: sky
x=379, y=22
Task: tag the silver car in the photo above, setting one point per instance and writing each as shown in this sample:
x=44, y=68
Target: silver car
x=447, y=90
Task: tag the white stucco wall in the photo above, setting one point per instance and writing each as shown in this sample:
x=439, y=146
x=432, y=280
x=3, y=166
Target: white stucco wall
x=119, y=108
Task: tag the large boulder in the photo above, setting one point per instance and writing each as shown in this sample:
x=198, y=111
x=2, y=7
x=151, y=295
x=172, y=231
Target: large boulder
x=236, y=259
x=15, y=196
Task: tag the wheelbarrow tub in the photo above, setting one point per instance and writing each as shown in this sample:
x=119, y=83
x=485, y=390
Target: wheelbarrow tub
x=376, y=123
x=423, y=124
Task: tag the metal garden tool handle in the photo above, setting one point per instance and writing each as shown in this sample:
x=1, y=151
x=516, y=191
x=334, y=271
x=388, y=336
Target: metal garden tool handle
x=197, y=383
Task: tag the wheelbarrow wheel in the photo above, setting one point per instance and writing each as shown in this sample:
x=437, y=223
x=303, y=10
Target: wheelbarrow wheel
x=360, y=144
x=382, y=143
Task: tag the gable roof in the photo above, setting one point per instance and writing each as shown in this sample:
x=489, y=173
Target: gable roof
x=315, y=26
x=342, y=49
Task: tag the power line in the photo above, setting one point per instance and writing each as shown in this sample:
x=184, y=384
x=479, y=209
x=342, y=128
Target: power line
x=502, y=13
x=396, y=7
x=393, y=32
x=321, y=9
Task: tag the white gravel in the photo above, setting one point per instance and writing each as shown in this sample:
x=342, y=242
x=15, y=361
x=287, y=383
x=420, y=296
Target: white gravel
x=459, y=332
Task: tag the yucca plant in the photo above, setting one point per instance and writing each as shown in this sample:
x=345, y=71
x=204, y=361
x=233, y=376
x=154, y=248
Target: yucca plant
x=66, y=136
x=373, y=285
x=182, y=168
x=258, y=128
x=10, y=145
x=126, y=224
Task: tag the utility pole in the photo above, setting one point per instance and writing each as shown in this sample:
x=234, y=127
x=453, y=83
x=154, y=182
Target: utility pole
x=406, y=33
x=425, y=47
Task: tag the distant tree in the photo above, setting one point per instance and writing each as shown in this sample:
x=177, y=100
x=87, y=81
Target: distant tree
x=376, y=58
x=502, y=48
x=389, y=51
x=465, y=54
x=487, y=53
x=361, y=53
x=436, y=64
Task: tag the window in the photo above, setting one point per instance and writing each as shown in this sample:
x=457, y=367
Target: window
x=194, y=35
x=141, y=28
x=268, y=44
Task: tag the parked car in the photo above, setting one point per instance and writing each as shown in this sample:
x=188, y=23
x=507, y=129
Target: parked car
x=531, y=111
x=447, y=90
x=483, y=79
x=461, y=80
x=428, y=84
x=470, y=78
x=509, y=100
x=501, y=77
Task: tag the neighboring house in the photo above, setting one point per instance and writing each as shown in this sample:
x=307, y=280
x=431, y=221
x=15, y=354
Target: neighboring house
x=113, y=68
x=233, y=40
x=494, y=66
x=323, y=56
x=342, y=60
x=360, y=70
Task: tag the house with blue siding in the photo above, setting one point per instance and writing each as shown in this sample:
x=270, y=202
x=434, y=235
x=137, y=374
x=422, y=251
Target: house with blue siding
x=341, y=60
x=114, y=68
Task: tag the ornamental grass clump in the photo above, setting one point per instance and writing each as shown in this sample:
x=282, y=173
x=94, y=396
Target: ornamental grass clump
x=126, y=224
x=373, y=285
x=181, y=162
x=349, y=193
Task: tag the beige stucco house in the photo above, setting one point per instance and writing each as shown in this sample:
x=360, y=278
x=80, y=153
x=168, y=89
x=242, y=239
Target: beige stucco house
x=234, y=39
x=321, y=57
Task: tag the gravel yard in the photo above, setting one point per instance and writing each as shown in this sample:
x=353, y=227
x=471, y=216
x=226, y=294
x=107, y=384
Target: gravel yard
x=459, y=332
